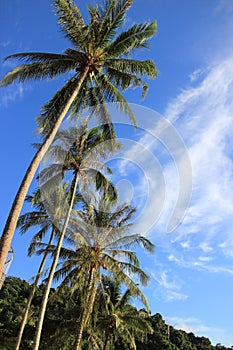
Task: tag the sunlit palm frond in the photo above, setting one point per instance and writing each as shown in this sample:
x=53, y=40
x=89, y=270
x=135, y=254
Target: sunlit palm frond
x=112, y=18
x=71, y=21
x=139, y=68
x=38, y=71
x=135, y=37
x=113, y=95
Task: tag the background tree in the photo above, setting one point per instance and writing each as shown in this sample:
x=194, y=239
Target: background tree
x=117, y=318
x=60, y=321
x=101, y=242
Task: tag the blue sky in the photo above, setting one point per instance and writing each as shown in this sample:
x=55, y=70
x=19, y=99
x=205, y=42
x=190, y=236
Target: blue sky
x=192, y=269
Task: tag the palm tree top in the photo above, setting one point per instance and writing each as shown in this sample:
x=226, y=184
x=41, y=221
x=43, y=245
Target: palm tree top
x=99, y=50
x=102, y=239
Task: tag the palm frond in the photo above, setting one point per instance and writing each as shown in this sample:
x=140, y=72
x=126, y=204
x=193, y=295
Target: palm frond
x=38, y=71
x=71, y=22
x=50, y=173
x=119, y=270
x=112, y=18
x=135, y=37
x=113, y=95
x=121, y=215
x=133, y=240
x=128, y=268
x=123, y=80
x=31, y=219
x=30, y=57
x=139, y=68
x=126, y=254
x=52, y=109
x=145, y=89
x=37, y=247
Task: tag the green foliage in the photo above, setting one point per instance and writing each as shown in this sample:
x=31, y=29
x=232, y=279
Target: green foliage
x=13, y=299
x=61, y=322
x=100, y=54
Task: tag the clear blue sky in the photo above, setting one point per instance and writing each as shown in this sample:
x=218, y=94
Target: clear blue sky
x=192, y=269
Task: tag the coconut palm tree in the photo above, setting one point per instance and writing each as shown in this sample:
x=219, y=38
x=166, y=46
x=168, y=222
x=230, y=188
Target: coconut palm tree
x=101, y=69
x=101, y=243
x=117, y=318
x=78, y=150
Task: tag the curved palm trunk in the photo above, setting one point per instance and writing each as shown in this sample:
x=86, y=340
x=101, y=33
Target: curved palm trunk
x=12, y=219
x=89, y=303
x=53, y=268
x=25, y=317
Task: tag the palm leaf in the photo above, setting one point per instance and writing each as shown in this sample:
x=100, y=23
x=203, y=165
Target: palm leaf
x=132, y=66
x=71, y=22
x=135, y=37
x=52, y=109
x=113, y=95
x=113, y=15
x=30, y=219
x=116, y=268
x=31, y=57
x=38, y=71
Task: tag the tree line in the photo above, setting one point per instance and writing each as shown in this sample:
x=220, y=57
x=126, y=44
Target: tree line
x=114, y=317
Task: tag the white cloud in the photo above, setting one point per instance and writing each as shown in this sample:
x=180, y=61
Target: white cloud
x=10, y=94
x=205, y=258
x=5, y=43
x=194, y=76
x=171, y=295
x=201, y=263
x=168, y=286
x=204, y=117
x=227, y=246
x=205, y=247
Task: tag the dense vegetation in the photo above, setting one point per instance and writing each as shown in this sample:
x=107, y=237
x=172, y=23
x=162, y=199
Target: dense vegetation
x=61, y=318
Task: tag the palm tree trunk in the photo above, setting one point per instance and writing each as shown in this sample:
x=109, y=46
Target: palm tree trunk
x=12, y=219
x=89, y=303
x=25, y=317
x=53, y=268
x=106, y=340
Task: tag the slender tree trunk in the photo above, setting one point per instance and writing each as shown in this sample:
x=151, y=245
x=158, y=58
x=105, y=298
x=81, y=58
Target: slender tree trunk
x=12, y=219
x=106, y=340
x=79, y=337
x=53, y=268
x=89, y=303
x=25, y=317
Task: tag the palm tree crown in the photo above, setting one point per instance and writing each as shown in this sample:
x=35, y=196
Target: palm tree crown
x=101, y=243
x=116, y=318
x=98, y=50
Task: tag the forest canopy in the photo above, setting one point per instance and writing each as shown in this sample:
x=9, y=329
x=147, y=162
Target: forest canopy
x=61, y=317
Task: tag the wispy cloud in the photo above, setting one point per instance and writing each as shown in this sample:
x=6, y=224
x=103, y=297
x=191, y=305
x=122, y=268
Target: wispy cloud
x=168, y=285
x=203, y=115
x=201, y=263
x=5, y=43
x=10, y=94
